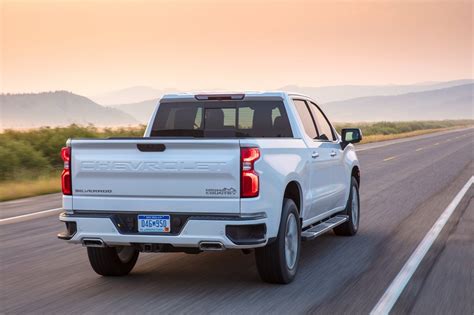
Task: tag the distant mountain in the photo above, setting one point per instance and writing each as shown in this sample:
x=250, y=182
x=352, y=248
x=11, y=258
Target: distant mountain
x=428, y=104
x=141, y=111
x=130, y=95
x=57, y=109
x=447, y=103
x=139, y=94
x=64, y=108
x=326, y=94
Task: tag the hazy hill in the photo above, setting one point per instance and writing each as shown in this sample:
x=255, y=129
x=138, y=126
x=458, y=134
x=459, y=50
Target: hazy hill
x=63, y=108
x=140, y=94
x=447, y=103
x=326, y=94
x=57, y=109
x=141, y=111
x=130, y=95
x=443, y=103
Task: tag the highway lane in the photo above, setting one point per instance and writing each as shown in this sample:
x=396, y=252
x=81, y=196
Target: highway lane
x=404, y=189
x=29, y=205
x=452, y=275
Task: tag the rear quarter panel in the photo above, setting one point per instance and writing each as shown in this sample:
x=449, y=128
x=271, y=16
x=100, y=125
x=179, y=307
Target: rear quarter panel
x=282, y=161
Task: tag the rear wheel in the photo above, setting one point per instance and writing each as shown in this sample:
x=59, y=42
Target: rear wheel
x=278, y=262
x=351, y=226
x=112, y=261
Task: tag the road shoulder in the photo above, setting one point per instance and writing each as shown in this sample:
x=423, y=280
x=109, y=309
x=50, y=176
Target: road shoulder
x=381, y=144
x=447, y=274
x=361, y=293
x=28, y=205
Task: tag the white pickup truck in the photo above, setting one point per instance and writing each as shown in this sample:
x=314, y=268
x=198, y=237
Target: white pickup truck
x=260, y=171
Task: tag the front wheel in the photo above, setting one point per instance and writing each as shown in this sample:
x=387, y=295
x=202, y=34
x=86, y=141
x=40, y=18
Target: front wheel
x=112, y=261
x=278, y=262
x=352, y=210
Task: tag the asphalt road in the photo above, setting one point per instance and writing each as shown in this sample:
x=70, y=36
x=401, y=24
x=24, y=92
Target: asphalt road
x=405, y=187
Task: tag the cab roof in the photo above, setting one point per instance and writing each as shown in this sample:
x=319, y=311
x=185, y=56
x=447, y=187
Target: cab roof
x=201, y=96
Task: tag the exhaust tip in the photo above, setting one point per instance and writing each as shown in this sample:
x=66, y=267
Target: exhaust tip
x=93, y=242
x=211, y=246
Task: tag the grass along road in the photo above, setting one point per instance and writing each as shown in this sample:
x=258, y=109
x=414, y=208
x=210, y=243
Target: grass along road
x=15, y=189
x=380, y=137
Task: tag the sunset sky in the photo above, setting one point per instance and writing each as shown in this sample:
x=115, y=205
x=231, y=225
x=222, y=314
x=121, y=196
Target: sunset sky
x=91, y=47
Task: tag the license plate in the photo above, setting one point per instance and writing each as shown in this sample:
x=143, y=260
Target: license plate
x=154, y=223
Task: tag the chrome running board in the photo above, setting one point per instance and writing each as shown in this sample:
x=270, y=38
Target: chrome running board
x=323, y=227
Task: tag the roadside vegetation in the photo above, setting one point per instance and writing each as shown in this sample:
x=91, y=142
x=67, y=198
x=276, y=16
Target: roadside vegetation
x=386, y=130
x=30, y=163
x=29, y=160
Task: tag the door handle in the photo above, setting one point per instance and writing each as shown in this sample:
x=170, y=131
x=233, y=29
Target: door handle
x=315, y=155
x=333, y=153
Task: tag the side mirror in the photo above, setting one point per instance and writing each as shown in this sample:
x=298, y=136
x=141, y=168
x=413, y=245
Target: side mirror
x=351, y=135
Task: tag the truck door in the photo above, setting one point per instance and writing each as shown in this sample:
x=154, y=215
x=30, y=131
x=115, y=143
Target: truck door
x=327, y=135
x=320, y=165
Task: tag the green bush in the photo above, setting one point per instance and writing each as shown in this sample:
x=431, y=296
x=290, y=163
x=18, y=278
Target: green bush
x=18, y=157
x=36, y=152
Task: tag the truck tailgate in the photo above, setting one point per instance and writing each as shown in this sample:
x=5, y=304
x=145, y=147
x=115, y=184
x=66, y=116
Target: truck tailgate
x=156, y=175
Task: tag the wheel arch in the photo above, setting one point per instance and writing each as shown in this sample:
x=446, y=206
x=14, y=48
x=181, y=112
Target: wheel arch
x=356, y=173
x=294, y=192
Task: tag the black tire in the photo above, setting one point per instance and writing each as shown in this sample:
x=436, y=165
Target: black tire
x=271, y=260
x=112, y=261
x=351, y=226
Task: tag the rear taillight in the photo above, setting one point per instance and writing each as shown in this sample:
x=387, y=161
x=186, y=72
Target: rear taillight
x=66, y=174
x=249, y=185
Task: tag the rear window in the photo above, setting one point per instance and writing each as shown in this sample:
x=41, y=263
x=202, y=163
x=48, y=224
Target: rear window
x=222, y=119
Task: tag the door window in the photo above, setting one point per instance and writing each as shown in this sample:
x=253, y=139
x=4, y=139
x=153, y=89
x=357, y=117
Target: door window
x=324, y=128
x=306, y=118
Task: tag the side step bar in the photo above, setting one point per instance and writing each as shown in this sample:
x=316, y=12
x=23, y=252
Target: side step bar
x=323, y=227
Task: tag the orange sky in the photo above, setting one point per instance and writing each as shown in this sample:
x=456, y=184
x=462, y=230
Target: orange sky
x=91, y=47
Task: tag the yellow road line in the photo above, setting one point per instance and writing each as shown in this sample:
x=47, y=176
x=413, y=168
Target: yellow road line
x=437, y=143
x=419, y=149
x=389, y=158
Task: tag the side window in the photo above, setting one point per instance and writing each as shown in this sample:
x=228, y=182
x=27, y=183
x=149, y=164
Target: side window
x=306, y=118
x=324, y=128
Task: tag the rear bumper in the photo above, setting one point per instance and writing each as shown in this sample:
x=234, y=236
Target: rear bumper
x=232, y=232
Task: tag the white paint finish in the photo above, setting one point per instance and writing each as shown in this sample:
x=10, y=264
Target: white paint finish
x=67, y=203
x=393, y=292
x=114, y=174
x=161, y=204
x=281, y=162
x=330, y=171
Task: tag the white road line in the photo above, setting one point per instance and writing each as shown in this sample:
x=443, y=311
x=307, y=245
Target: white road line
x=390, y=158
x=397, y=286
x=29, y=215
